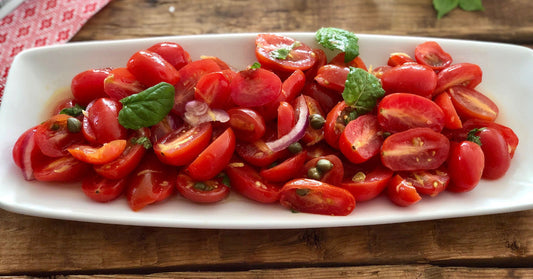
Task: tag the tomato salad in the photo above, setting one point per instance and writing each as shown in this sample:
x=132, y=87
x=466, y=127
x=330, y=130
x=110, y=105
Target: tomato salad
x=313, y=134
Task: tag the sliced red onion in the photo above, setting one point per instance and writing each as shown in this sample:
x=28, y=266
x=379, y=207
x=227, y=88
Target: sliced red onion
x=297, y=132
x=197, y=112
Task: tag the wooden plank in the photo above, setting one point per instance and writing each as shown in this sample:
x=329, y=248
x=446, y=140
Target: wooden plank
x=38, y=245
x=507, y=22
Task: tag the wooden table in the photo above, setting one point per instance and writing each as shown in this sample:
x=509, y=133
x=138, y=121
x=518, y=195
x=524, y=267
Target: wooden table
x=474, y=247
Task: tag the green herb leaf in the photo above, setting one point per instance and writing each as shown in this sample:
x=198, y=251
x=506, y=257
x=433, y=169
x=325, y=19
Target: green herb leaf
x=283, y=52
x=73, y=111
x=144, y=141
x=339, y=39
x=362, y=90
x=225, y=179
x=473, y=137
x=471, y=5
x=444, y=6
x=254, y=66
x=148, y=107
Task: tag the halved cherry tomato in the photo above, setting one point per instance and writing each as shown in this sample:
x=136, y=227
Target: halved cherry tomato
x=402, y=192
x=26, y=153
x=247, y=182
x=285, y=170
x=401, y=111
x=60, y=169
x=286, y=118
x=327, y=98
x=328, y=169
x=63, y=104
x=415, y=149
x=428, y=182
x=410, y=78
x=151, y=68
x=361, y=139
x=495, y=149
x=214, y=158
x=255, y=87
x=313, y=135
x=151, y=182
x=173, y=53
x=365, y=184
x=471, y=103
x=170, y=123
x=321, y=60
x=120, y=83
x=312, y=196
x=508, y=134
x=451, y=118
x=100, y=124
x=357, y=62
x=98, y=155
x=465, y=166
x=182, y=146
x=214, y=89
x=399, y=58
x=463, y=74
x=431, y=54
x=89, y=85
x=101, y=189
x=54, y=136
x=209, y=191
x=257, y=153
x=247, y=124
x=332, y=76
x=335, y=124
x=299, y=57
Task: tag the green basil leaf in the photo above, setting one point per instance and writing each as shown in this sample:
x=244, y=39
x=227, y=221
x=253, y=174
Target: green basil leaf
x=339, y=39
x=444, y=6
x=255, y=65
x=282, y=52
x=362, y=90
x=148, y=107
x=144, y=141
x=471, y=5
x=74, y=111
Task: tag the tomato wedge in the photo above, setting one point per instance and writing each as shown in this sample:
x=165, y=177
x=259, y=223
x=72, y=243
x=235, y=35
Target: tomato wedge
x=209, y=191
x=431, y=54
x=366, y=185
x=182, y=146
x=255, y=87
x=98, y=155
x=247, y=181
x=299, y=55
x=285, y=170
x=471, y=103
x=361, y=139
x=101, y=189
x=402, y=192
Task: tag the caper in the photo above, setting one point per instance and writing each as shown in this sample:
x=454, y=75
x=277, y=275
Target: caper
x=295, y=148
x=324, y=165
x=73, y=125
x=316, y=121
x=314, y=173
x=202, y=186
x=302, y=192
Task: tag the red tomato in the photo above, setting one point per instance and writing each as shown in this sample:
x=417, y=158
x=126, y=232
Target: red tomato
x=428, y=182
x=257, y=153
x=26, y=153
x=508, y=134
x=366, y=185
x=321, y=60
x=128, y=160
x=98, y=155
x=247, y=124
x=120, y=83
x=399, y=58
x=495, y=149
x=332, y=76
x=89, y=85
x=464, y=74
x=182, y=146
x=255, y=87
x=247, y=182
x=173, y=53
x=451, y=118
x=402, y=192
x=223, y=65
x=214, y=89
x=312, y=135
x=327, y=98
x=170, y=123
x=214, y=158
x=410, y=78
x=361, y=139
x=285, y=170
x=312, y=196
x=53, y=136
x=331, y=172
x=100, y=124
x=286, y=118
x=190, y=74
x=401, y=111
x=335, y=124
x=471, y=103
x=357, y=62
x=415, y=149
x=431, y=54
x=150, y=68
x=63, y=104
x=300, y=56
x=209, y=191
x=152, y=181
x=101, y=189
x=60, y=169
x=465, y=166
x=380, y=70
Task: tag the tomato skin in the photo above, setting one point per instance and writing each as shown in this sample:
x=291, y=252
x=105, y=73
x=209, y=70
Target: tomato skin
x=361, y=139
x=286, y=169
x=286, y=118
x=214, y=90
x=399, y=58
x=495, y=150
x=335, y=124
x=53, y=136
x=357, y=62
x=415, y=149
x=402, y=192
x=150, y=68
x=431, y=54
x=120, y=83
x=410, y=78
x=100, y=124
x=216, y=191
x=60, y=169
x=327, y=98
x=101, y=189
x=471, y=103
x=26, y=153
x=312, y=196
x=247, y=181
x=428, y=182
x=247, y=124
x=508, y=134
x=255, y=87
x=463, y=74
x=401, y=111
x=465, y=166
x=451, y=118
x=333, y=176
x=366, y=185
x=321, y=60
x=89, y=85
x=214, y=158
x=182, y=146
x=256, y=153
x=173, y=53
x=301, y=56
x=98, y=155
x=152, y=181
x=332, y=76
x=312, y=136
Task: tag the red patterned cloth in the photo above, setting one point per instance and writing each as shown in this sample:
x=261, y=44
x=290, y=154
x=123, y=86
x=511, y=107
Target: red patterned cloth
x=38, y=23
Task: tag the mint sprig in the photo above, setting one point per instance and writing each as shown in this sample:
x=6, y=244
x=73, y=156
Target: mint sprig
x=445, y=6
x=282, y=52
x=362, y=90
x=339, y=39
